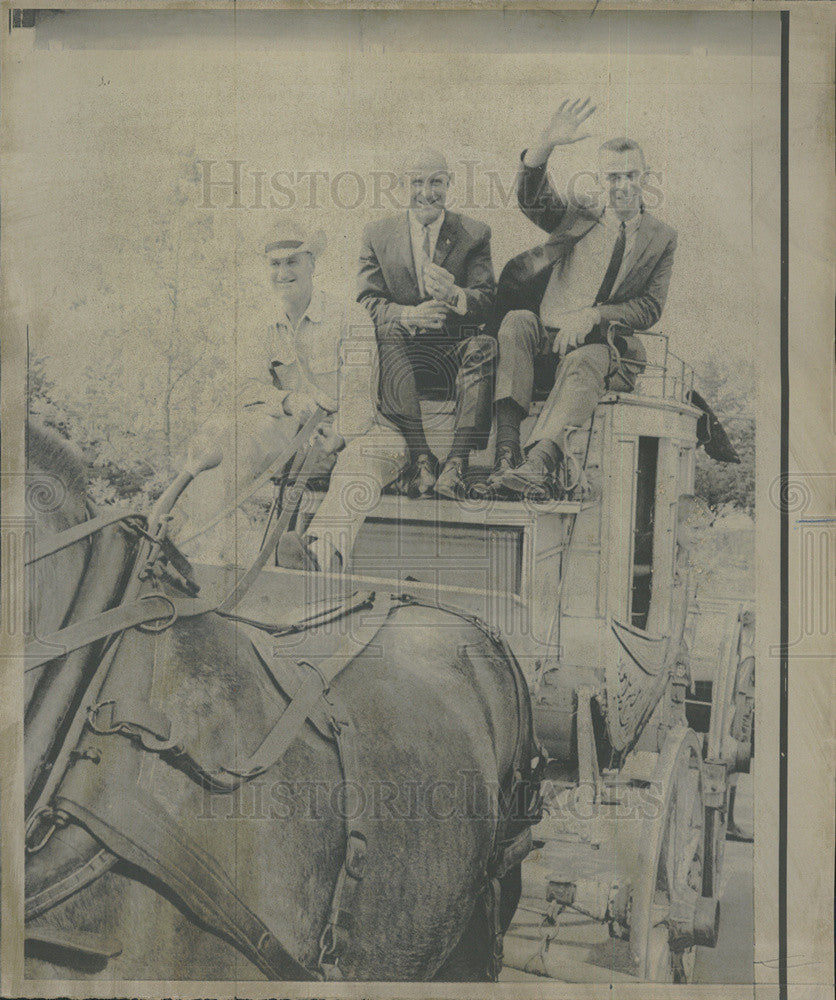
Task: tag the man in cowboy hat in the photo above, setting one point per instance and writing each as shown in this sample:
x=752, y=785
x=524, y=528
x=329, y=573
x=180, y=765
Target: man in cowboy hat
x=279, y=378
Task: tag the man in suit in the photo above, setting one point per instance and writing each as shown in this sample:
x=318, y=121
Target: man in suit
x=427, y=280
x=602, y=274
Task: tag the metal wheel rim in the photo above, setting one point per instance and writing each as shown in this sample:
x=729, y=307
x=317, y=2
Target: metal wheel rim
x=671, y=853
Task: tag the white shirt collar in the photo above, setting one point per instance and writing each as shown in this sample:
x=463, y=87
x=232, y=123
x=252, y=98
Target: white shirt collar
x=315, y=313
x=612, y=221
x=418, y=227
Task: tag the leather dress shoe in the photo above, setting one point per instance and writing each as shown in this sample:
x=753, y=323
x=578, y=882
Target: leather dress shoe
x=533, y=478
x=451, y=484
x=424, y=477
x=492, y=486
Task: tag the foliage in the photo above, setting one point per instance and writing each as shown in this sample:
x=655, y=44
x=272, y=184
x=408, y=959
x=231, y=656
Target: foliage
x=729, y=395
x=156, y=371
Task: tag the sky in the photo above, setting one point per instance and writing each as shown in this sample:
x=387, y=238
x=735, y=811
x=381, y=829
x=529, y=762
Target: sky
x=104, y=106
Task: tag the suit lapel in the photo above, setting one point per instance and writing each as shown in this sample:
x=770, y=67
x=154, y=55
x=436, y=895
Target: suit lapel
x=446, y=237
x=403, y=250
x=644, y=235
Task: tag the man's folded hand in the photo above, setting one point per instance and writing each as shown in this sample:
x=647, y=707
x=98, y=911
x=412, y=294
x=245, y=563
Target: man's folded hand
x=440, y=284
x=573, y=328
x=429, y=315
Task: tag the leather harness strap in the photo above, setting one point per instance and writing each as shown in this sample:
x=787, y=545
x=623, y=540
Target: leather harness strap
x=138, y=829
x=300, y=472
x=83, y=942
x=154, y=730
x=55, y=893
x=152, y=607
x=142, y=611
x=267, y=472
x=276, y=742
x=340, y=923
x=138, y=612
x=70, y=536
x=354, y=602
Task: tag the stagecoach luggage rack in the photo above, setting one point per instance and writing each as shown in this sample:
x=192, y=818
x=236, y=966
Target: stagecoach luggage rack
x=664, y=375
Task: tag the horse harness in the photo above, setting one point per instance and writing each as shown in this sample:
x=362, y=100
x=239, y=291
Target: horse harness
x=134, y=826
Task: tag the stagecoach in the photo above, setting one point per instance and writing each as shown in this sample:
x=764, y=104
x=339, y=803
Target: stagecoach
x=642, y=687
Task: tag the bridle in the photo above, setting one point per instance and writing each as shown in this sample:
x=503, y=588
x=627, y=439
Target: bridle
x=144, y=606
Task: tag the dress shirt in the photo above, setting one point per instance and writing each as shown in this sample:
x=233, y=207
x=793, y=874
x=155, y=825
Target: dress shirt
x=300, y=358
x=417, y=231
x=575, y=280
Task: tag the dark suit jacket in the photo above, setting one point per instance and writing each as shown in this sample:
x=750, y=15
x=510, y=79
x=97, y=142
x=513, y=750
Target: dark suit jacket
x=387, y=278
x=636, y=303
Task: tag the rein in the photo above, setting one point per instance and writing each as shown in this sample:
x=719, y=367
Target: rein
x=141, y=613
x=133, y=825
x=78, y=532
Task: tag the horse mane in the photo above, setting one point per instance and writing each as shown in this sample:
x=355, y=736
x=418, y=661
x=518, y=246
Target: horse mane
x=48, y=451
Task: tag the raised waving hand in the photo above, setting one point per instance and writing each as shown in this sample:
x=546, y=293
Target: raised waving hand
x=564, y=129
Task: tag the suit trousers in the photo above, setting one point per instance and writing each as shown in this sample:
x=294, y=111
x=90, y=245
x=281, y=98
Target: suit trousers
x=364, y=467
x=412, y=361
x=583, y=375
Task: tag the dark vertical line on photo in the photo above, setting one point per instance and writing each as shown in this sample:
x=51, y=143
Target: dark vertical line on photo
x=27, y=398
x=784, y=516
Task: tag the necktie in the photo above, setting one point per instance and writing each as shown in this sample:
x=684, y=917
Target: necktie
x=606, y=288
x=427, y=242
x=426, y=258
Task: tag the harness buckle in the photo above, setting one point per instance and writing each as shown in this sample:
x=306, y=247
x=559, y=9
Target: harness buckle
x=93, y=718
x=327, y=949
x=355, y=855
x=162, y=623
x=51, y=820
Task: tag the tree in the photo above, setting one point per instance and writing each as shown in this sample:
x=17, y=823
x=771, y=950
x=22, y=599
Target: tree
x=729, y=395
x=152, y=321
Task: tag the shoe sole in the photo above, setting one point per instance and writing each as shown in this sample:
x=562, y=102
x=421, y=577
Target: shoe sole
x=520, y=484
x=491, y=490
x=449, y=494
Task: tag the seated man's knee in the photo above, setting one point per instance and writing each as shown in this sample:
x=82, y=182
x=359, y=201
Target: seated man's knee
x=517, y=325
x=588, y=357
x=350, y=460
x=391, y=330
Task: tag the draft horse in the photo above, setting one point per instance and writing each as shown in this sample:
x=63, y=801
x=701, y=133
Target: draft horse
x=344, y=794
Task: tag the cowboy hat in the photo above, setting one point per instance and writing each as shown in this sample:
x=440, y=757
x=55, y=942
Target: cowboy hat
x=288, y=237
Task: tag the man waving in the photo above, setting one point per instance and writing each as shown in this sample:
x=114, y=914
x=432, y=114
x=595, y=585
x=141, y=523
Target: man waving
x=602, y=274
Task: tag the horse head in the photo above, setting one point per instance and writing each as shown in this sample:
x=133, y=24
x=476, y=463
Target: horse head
x=381, y=708
x=71, y=575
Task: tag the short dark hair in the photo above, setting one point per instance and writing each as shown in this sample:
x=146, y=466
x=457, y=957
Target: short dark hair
x=621, y=145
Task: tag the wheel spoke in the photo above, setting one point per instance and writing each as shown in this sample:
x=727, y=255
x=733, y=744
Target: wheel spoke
x=676, y=870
